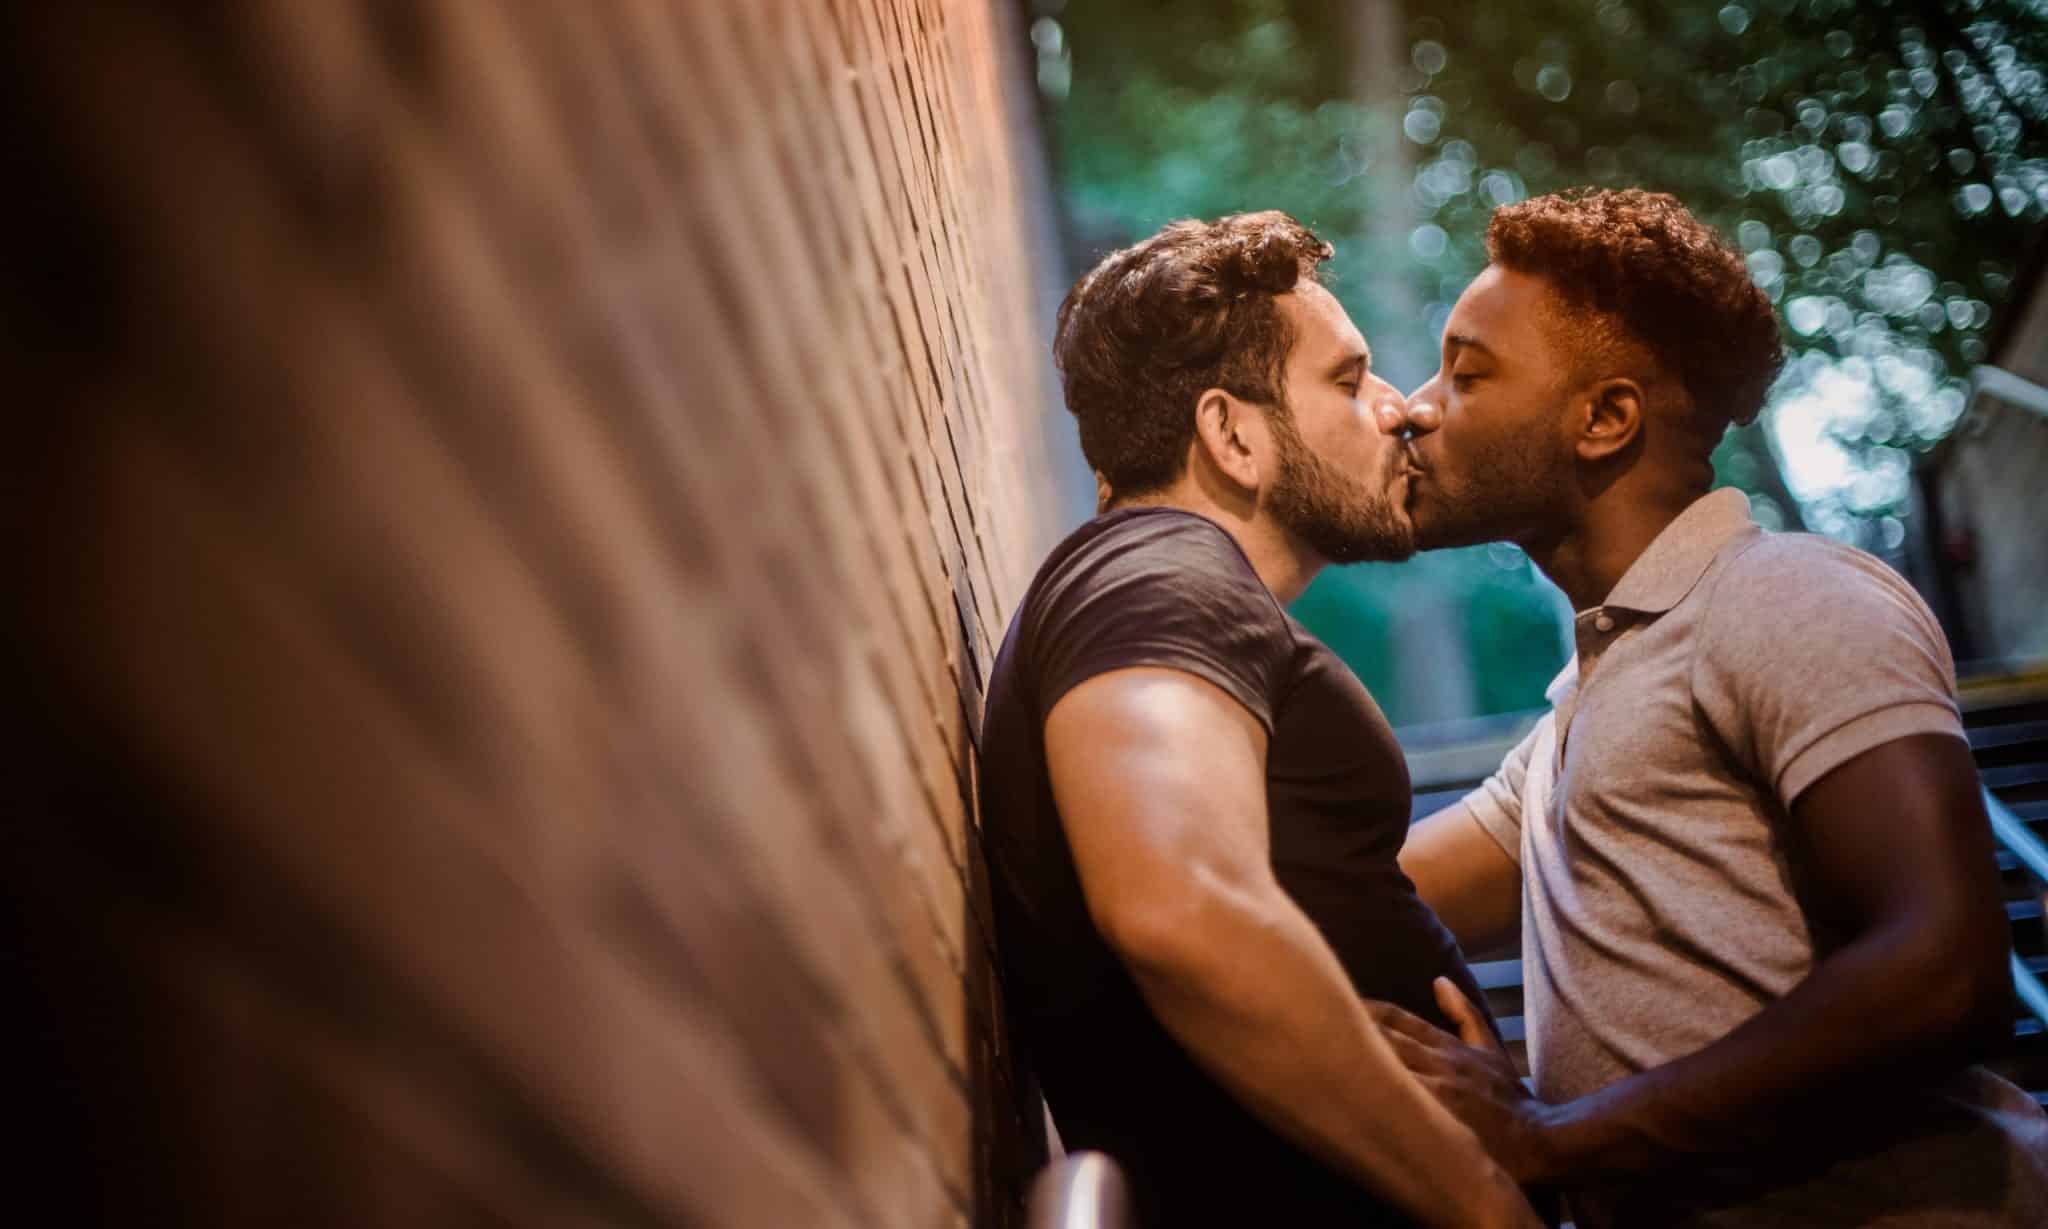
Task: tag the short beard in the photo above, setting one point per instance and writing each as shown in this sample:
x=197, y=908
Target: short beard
x=1340, y=518
x=1510, y=492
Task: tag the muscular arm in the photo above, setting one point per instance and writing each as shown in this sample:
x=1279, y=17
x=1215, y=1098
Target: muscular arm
x=1465, y=876
x=1160, y=782
x=1895, y=854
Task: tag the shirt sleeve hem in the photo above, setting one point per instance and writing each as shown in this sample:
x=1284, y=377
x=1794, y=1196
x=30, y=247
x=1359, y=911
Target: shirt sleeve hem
x=1495, y=822
x=1159, y=656
x=1846, y=742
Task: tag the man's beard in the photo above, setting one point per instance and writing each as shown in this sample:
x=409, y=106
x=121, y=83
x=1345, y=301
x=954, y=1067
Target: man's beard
x=1340, y=518
x=1510, y=491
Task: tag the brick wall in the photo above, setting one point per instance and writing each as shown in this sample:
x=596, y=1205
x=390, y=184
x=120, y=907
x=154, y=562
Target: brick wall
x=517, y=508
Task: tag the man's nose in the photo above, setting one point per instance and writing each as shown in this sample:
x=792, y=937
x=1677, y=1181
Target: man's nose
x=1422, y=413
x=1388, y=412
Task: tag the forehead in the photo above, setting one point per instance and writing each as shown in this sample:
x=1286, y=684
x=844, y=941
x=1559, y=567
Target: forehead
x=1505, y=309
x=1323, y=330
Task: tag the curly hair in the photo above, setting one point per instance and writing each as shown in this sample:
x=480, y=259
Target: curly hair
x=1666, y=279
x=1145, y=332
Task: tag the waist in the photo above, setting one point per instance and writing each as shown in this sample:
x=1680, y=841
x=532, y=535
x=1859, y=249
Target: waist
x=1971, y=1151
x=1193, y=1156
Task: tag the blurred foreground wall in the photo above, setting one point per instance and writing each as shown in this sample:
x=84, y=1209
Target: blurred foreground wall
x=514, y=505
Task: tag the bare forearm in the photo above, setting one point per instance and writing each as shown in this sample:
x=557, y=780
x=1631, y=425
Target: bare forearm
x=1256, y=996
x=1474, y=887
x=1887, y=1004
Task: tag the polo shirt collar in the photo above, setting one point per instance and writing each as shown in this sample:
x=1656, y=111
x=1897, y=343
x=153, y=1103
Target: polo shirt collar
x=1564, y=681
x=1676, y=559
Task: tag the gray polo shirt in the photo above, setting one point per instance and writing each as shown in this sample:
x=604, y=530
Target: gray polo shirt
x=1730, y=669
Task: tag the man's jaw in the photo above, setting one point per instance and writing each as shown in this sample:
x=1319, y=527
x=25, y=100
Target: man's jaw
x=1440, y=522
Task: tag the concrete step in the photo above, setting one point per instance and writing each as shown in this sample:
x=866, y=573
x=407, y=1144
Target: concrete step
x=2019, y=777
x=2013, y=743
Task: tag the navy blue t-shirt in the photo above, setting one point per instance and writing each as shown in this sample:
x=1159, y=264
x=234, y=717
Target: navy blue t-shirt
x=1162, y=587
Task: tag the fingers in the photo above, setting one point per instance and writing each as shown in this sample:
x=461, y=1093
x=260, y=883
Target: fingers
x=1426, y=1050
x=1459, y=1010
x=1396, y=1021
x=1424, y=1061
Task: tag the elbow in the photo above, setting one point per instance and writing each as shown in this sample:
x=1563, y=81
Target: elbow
x=1147, y=932
x=1986, y=1030
x=1968, y=1017
x=1964, y=999
x=1168, y=932
x=1985, y=1026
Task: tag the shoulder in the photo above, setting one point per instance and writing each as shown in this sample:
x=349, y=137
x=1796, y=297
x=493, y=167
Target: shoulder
x=1155, y=534
x=1776, y=578
x=1784, y=598
x=1184, y=564
x=1788, y=559
x=1157, y=587
x=1814, y=652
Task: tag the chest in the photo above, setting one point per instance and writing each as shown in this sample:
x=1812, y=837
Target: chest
x=1627, y=719
x=1337, y=783
x=1631, y=758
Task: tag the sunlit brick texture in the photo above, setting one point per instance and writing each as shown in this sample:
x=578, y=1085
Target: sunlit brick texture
x=516, y=503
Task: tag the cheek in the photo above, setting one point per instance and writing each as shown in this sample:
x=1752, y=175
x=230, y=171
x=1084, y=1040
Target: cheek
x=1467, y=432
x=1370, y=444
x=1342, y=427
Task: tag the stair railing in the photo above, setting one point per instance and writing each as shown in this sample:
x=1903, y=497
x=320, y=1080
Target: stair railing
x=2009, y=388
x=1082, y=1190
x=2031, y=853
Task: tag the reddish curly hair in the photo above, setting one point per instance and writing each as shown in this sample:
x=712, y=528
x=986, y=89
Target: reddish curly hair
x=1153, y=325
x=1663, y=278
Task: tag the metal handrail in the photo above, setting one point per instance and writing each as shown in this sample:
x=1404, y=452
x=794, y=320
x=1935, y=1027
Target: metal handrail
x=2013, y=833
x=2009, y=388
x=2029, y=988
x=2021, y=842
x=1082, y=1190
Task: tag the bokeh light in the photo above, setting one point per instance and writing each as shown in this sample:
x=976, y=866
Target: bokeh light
x=1883, y=167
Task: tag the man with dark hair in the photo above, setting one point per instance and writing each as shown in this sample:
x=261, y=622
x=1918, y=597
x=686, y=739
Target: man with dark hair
x=1746, y=848
x=1192, y=809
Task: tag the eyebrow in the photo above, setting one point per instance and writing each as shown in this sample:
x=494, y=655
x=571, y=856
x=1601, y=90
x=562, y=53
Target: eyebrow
x=1465, y=341
x=1362, y=359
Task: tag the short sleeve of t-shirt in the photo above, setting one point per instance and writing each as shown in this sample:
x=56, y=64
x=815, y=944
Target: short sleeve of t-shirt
x=1163, y=588
x=1497, y=802
x=1813, y=653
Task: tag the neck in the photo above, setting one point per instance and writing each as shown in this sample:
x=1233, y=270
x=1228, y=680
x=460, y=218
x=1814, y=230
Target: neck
x=1283, y=563
x=1609, y=533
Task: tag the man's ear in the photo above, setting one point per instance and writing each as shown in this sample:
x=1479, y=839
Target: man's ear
x=1225, y=434
x=1609, y=420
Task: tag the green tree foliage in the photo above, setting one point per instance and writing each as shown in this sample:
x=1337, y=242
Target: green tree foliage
x=1884, y=164
x=1162, y=110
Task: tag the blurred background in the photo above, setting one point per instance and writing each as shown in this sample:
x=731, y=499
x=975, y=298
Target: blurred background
x=512, y=508
x=1883, y=164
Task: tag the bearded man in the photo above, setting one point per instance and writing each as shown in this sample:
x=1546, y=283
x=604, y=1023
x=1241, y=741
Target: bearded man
x=1192, y=808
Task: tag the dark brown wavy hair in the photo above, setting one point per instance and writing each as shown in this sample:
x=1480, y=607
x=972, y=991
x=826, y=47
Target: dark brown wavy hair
x=1154, y=325
x=1665, y=278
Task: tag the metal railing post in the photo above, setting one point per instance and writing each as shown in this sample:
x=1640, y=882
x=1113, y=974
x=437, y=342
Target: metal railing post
x=2021, y=842
x=1082, y=1190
